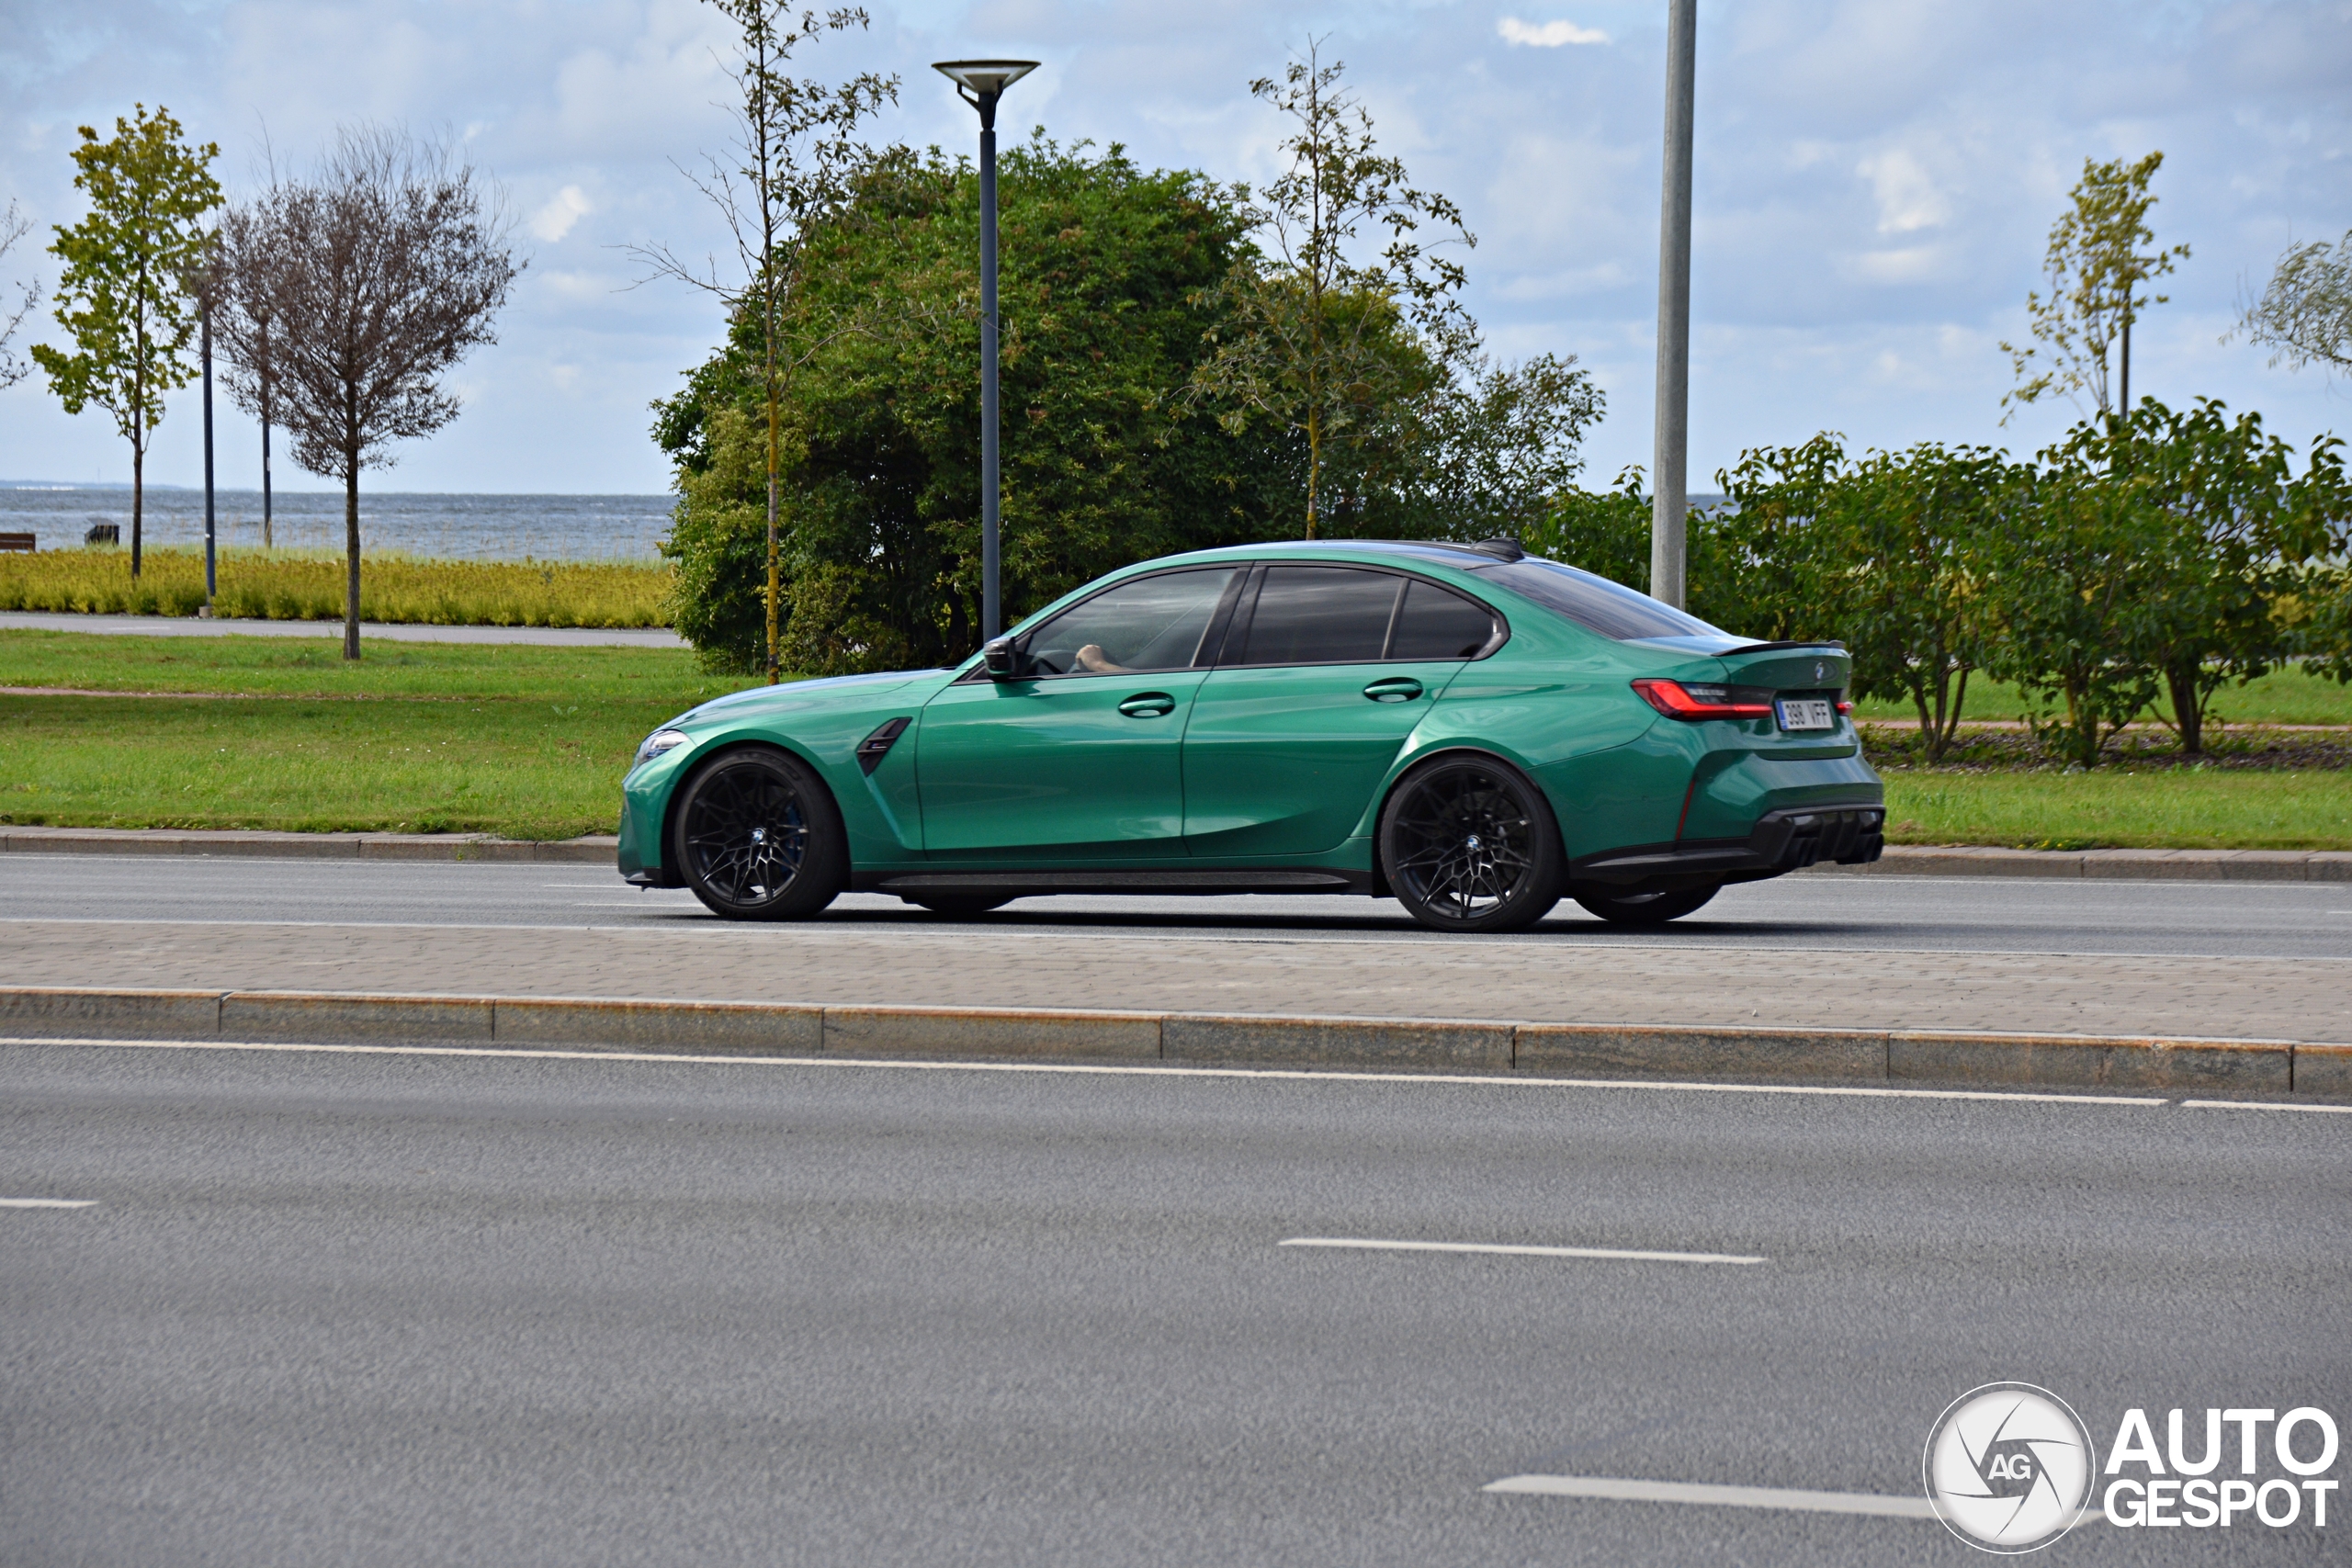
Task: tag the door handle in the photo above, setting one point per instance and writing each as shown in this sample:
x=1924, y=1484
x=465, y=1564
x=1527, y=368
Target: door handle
x=1399, y=689
x=1149, y=705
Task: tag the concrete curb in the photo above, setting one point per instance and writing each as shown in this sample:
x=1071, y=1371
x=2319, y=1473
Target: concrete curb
x=1439, y=1046
x=2120, y=865
x=2138, y=865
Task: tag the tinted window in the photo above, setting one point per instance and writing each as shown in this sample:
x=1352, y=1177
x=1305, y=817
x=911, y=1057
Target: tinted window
x=1153, y=623
x=1320, y=614
x=1594, y=602
x=1435, y=623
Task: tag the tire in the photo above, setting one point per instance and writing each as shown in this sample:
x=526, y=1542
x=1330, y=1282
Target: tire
x=758, y=838
x=1468, y=844
x=957, y=906
x=1649, y=908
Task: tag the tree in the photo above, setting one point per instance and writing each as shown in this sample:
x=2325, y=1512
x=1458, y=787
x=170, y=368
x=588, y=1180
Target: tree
x=1908, y=537
x=1766, y=565
x=14, y=228
x=2071, y=598
x=2233, y=526
x=2305, y=313
x=1499, y=442
x=123, y=292
x=1313, y=339
x=798, y=142
x=374, y=278
x=2097, y=266
x=1108, y=295
x=1606, y=532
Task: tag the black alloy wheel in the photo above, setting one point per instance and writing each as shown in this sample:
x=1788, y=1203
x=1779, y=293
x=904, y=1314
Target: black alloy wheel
x=759, y=838
x=1470, y=845
x=957, y=905
x=1647, y=909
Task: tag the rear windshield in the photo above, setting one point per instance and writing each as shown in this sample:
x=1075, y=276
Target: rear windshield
x=1594, y=602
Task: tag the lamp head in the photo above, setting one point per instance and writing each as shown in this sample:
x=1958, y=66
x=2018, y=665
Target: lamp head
x=984, y=78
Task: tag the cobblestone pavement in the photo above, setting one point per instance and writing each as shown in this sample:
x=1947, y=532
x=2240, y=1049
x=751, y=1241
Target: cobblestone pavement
x=1270, y=974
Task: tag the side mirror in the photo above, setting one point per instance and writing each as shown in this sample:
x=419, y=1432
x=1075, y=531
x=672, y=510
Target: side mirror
x=1002, y=659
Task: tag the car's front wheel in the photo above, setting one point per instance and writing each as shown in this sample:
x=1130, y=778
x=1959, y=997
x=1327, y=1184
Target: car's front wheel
x=1468, y=844
x=1647, y=909
x=758, y=837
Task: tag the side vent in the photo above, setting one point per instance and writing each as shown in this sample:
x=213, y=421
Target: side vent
x=877, y=746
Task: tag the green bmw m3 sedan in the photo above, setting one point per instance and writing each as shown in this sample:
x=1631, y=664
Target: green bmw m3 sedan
x=1470, y=731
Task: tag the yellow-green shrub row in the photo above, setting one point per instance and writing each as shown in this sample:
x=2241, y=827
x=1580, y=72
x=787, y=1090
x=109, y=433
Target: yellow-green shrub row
x=288, y=586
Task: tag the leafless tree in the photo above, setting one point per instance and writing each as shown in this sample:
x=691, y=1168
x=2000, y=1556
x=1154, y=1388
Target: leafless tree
x=349, y=295
x=15, y=226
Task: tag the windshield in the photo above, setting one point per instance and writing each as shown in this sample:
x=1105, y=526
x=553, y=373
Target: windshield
x=1596, y=603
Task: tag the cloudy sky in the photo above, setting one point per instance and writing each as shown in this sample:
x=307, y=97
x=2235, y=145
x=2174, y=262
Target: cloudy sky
x=1876, y=179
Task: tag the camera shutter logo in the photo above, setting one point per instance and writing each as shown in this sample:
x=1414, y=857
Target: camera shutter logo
x=2009, y=1467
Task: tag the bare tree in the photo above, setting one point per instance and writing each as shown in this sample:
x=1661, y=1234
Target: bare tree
x=351, y=295
x=15, y=226
x=799, y=152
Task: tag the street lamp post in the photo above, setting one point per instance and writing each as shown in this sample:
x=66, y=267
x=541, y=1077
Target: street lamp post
x=204, y=329
x=980, y=82
x=1670, y=517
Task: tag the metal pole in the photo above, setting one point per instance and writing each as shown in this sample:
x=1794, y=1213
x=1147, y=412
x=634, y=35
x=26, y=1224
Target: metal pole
x=991, y=597
x=204, y=336
x=267, y=542
x=1669, y=555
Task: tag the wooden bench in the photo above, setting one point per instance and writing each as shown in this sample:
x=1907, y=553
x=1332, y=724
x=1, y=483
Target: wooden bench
x=15, y=542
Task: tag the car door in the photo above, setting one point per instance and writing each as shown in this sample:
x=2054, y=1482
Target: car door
x=1326, y=670
x=1082, y=757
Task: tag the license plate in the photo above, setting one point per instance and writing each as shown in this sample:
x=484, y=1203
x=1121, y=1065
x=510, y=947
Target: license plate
x=1807, y=714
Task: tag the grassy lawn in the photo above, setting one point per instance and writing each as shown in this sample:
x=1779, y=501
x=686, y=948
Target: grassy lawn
x=2285, y=696
x=530, y=742
x=2113, y=808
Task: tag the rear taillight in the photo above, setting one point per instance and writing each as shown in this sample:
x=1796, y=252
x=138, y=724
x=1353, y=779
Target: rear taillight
x=1694, y=700
x=1845, y=706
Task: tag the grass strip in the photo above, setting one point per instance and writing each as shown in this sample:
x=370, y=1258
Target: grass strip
x=308, y=586
x=2168, y=808
x=2284, y=696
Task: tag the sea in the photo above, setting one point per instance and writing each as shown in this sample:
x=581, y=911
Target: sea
x=461, y=527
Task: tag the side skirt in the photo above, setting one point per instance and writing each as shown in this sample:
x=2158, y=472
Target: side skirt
x=1032, y=883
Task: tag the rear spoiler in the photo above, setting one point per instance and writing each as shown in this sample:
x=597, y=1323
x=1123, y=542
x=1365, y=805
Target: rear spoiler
x=1774, y=646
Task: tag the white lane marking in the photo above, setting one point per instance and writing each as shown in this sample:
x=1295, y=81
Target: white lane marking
x=2261, y=1105
x=1871, y=1503
x=1722, y=1496
x=47, y=1202
x=1083, y=1069
x=1620, y=1254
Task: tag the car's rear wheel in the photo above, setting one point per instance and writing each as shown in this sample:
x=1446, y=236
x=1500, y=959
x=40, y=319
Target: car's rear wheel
x=758, y=837
x=957, y=905
x=1647, y=909
x=1468, y=844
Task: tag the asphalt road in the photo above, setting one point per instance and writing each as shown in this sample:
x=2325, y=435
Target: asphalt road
x=1812, y=910
x=422, y=1309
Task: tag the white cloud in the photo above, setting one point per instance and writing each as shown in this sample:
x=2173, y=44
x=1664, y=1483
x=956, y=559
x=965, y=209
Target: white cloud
x=567, y=206
x=1908, y=199
x=1547, y=35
